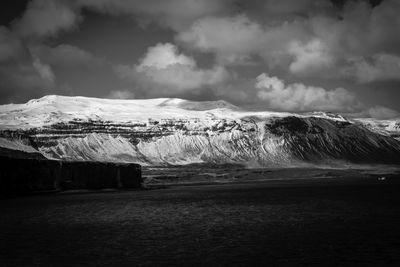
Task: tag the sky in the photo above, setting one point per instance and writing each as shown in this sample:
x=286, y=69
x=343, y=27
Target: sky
x=283, y=55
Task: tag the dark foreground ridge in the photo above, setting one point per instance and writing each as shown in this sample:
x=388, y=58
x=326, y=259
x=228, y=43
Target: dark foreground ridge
x=27, y=175
x=317, y=222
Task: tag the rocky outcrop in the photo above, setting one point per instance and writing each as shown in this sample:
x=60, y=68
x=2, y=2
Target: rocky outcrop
x=25, y=175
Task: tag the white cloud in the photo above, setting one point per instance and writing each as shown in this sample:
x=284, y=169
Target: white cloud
x=161, y=56
x=310, y=57
x=299, y=97
x=165, y=71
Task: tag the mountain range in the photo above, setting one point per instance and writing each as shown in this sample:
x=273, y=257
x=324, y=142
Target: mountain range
x=171, y=131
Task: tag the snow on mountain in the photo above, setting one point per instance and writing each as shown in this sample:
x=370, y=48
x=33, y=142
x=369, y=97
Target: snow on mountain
x=53, y=109
x=16, y=144
x=176, y=131
x=384, y=127
x=327, y=115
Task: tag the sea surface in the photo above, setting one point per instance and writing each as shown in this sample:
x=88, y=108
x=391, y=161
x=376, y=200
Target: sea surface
x=288, y=218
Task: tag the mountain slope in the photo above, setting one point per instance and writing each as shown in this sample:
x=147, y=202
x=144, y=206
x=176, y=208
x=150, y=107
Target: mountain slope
x=175, y=131
x=384, y=127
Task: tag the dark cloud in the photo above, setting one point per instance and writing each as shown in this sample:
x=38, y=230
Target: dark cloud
x=45, y=18
x=342, y=3
x=382, y=113
x=65, y=55
x=20, y=73
x=11, y=48
x=304, y=46
x=10, y=10
x=172, y=13
x=301, y=42
x=379, y=67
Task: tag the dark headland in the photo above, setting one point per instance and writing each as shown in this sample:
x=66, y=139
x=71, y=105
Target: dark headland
x=32, y=173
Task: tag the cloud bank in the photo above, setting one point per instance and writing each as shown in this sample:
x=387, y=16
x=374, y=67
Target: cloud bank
x=299, y=97
x=212, y=50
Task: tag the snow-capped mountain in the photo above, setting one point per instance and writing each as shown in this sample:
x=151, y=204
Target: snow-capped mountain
x=385, y=127
x=175, y=131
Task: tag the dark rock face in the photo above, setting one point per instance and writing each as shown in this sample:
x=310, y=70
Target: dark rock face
x=316, y=139
x=12, y=153
x=25, y=175
x=97, y=175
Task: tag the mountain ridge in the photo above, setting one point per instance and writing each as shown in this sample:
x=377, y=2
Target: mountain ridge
x=167, y=131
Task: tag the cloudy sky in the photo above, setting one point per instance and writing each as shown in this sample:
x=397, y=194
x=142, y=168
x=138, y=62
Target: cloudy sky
x=285, y=55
